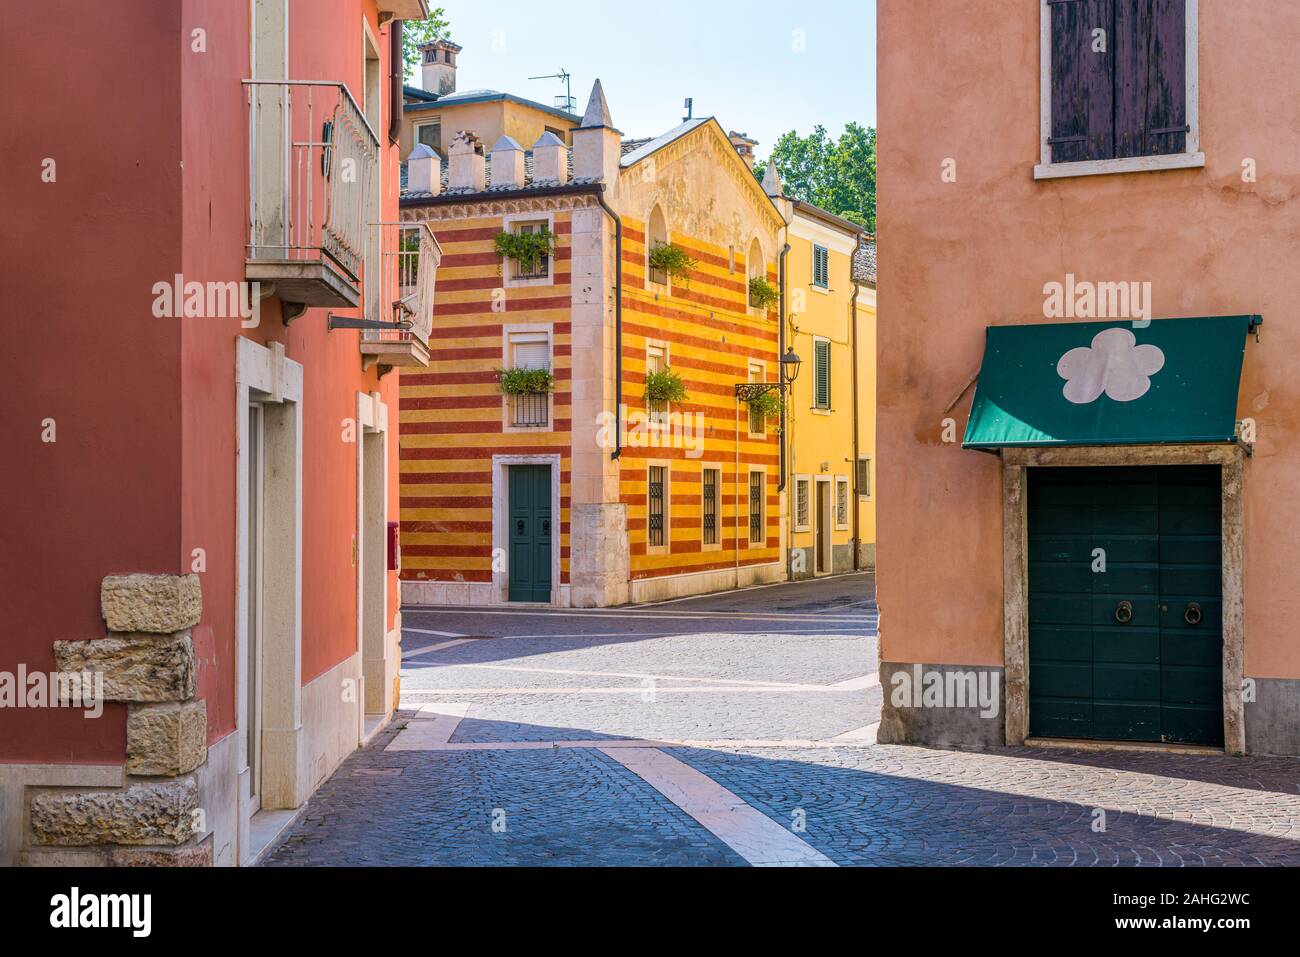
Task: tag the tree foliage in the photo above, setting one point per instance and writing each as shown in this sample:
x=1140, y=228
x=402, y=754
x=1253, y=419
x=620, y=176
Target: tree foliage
x=417, y=32
x=837, y=175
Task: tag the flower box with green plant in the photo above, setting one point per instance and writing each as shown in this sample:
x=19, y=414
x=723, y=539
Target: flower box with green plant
x=525, y=381
x=766, y=405
x=762, y=294
x=528, y=250
x=670, y=260
x=662, y=386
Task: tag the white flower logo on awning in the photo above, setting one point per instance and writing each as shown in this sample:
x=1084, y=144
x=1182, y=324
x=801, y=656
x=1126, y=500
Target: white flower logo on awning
x=1115, y=365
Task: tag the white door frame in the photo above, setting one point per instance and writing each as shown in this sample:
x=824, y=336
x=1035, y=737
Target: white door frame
x=371, y=435
x=501, y=521
x=266, y=377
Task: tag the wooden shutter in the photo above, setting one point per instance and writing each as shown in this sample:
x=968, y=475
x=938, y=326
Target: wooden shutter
x=864, y=478
x=1150, y=77
x=822, y=368
x=1082, y=81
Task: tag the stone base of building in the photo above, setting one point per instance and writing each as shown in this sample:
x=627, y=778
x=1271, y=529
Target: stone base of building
x=644, y=590
x=1273, y=718
x=921, y=706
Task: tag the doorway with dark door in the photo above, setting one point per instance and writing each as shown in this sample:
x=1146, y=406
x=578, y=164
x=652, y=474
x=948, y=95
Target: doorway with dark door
x=530, y=525
x=1125, y=604
x=822, y=528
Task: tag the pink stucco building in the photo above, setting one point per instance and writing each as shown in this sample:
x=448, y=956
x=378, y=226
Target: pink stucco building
x=1112, y=187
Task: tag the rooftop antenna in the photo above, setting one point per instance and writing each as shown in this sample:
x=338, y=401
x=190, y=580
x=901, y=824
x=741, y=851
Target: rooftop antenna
x=566, y=102
x=690, y=109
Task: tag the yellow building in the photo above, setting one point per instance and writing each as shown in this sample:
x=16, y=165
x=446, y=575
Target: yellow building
x=830, y=409
x=435, y=111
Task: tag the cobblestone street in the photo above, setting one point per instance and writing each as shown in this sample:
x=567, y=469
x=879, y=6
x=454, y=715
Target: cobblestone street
x=732, y=730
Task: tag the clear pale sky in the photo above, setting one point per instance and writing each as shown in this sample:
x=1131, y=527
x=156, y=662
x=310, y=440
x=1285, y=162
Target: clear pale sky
x=739, y=60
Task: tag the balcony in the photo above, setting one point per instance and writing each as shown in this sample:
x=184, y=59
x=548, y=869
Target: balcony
x=399, y=295
x=530, y=410
x=313, y=184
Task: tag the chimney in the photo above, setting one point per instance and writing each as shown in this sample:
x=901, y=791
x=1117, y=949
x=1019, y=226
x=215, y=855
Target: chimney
x=466, y=162
x=424, y=170
x=507, y=163
x=597, y=146
x=550, y=160
x=744, y=146
x=438, y=66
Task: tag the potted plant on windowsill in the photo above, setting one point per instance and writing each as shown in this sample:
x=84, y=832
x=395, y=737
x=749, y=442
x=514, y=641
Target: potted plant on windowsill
x=525, y=381
x=672, y=262
x=526, y=249
x=766, y=405
x=662, y=387
x=762, y=294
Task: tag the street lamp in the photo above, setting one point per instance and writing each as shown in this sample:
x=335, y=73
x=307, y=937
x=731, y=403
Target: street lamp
x=790, y=364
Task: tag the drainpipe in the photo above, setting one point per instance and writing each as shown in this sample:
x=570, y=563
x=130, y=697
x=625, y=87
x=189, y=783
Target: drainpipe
x=618, y=323
x=396, y=75
x=857, y=509
x=780, y=347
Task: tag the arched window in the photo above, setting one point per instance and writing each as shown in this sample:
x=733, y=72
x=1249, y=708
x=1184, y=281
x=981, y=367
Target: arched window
x=755, y=266
x=657, y=235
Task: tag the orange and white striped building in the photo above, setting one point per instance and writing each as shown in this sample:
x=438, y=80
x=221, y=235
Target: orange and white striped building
x=590, y=496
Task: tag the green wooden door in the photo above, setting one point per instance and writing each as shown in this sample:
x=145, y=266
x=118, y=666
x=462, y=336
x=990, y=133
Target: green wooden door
x=1125, y=609
x=530, y=533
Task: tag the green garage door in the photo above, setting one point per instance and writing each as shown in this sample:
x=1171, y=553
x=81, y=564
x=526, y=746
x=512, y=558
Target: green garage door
x=1125, y=610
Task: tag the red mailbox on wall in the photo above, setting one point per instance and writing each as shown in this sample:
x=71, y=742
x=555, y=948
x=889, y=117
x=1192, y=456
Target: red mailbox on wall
x=394, y=548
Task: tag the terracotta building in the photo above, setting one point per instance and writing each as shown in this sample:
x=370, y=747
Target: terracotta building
x=1087, y=412
x=204, y=440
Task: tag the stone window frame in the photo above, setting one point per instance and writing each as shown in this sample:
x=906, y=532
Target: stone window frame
x=1015, y=555
x=511, y=223
x=842, y=482
x=804, y=482
x=718, y=515
x=509, y=333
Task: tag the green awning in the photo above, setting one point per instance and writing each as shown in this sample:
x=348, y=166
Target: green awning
x=1110, y=383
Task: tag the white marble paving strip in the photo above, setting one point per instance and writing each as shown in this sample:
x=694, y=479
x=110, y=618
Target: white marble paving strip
x=749, y=832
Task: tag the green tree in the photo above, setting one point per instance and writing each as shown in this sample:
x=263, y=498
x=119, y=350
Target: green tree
x=417, y=32
x=837, y=175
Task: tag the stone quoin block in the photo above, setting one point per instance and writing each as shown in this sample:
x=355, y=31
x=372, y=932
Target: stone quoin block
x=166, y=740
x=136, y=667
x=149, y=813
x=161, y=604
x=191, y=854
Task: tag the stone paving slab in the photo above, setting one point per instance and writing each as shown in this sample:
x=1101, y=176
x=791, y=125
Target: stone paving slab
x=524, y=736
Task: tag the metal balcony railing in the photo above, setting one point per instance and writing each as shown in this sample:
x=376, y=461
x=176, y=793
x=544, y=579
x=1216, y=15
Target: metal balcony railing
x=401, y=286
x=313, y=174
x=530, y=410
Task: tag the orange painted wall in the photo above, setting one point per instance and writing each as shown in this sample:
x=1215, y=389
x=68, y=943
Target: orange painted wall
x=81, y=255
x=956, y=257
x=153, y=182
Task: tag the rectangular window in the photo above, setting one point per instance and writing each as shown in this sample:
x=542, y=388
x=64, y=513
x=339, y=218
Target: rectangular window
x=656, y=360
x=1116, y=83
x=655, y=507
x=430, y=134
x=539, y=268
x=842, y=503
x=711, y=482
x=821, y=267
x=864, y=477
x=530, y=350
x=756, y=508
x=801, y=505
x=757, y=421
x=821, y=374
